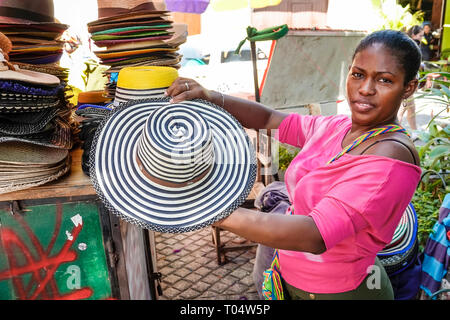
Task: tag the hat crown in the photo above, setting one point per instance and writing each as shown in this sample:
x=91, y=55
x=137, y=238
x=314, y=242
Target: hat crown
x=176, y=146
x=108, y=8
x=146, y=77
x=36, y=10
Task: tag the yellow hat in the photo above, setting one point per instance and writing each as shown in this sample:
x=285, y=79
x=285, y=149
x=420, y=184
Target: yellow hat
x=143, y=82
x=146, y=77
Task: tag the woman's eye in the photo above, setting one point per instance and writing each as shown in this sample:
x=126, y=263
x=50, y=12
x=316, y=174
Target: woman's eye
x=384, y=80
x=356, y=75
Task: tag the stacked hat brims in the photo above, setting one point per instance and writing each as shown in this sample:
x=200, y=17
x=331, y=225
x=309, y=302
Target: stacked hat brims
x=25, y=165
x=36, y=46
x=92, y=108
x=138, y=33
x=33, y=30
x=34, y=135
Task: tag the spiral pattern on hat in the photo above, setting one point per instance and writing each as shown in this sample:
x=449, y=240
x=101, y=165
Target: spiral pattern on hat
x=127, y=192
x=176, y=144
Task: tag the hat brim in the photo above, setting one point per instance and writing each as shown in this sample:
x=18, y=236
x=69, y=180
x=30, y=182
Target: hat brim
x=129, y=17
x=59, y=135
x=27, y=122
x=17, y=22
x=37, y=180
x=126, y=191
x=29, y=76
x=404, y=235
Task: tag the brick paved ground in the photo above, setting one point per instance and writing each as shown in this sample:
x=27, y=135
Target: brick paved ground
x=188, y=263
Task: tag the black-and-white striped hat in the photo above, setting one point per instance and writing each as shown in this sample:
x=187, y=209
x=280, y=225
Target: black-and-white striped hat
x=172, y=167
x=403, y=248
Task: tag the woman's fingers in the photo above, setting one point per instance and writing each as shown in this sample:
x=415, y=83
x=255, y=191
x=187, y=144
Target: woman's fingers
x=184, y=89
x=186, y=95
x=178, y=86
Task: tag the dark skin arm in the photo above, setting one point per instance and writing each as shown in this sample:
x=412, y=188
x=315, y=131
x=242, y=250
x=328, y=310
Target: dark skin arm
x=250, y=114
x=297, y=232
x=288, y=232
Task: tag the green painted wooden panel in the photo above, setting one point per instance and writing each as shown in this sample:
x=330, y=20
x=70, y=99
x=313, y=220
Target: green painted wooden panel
x=446, y=32
x=53, y=251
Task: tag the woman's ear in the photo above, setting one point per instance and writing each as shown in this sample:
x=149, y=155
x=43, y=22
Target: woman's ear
x=410, y=88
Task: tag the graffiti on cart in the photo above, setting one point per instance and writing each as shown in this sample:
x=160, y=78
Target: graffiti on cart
x=46, y=273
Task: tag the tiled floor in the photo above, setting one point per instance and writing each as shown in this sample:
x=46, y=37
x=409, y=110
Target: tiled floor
x=189, y=268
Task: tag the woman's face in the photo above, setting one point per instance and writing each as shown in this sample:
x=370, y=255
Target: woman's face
x=418, y=36
x=375, y=86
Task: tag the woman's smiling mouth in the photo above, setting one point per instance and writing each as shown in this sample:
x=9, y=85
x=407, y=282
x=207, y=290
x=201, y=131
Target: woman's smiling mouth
x=361, y=106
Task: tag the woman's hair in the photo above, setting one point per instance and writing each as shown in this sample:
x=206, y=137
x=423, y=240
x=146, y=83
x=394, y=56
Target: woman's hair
x=414, y=30
x=402, y=46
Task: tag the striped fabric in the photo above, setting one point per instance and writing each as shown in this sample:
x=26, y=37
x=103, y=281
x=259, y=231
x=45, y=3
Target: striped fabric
x=367, y=135
x=127, y=192
x=272, y=288
x=125, y=95
x=176, y=145
x=404, y=235
x=436, y=260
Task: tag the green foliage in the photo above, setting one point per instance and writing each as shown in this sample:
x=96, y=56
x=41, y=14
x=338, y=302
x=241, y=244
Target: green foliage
x=285, y=155
x=427, y=208
x=394, y=16
x=435, y=153
x=434, y=157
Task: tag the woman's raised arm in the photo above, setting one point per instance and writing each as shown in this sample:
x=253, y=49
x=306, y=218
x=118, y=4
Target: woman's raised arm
x=250, y=114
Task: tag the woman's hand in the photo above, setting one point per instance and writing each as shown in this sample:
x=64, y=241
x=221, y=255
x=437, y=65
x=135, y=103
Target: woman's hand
x=187, y=89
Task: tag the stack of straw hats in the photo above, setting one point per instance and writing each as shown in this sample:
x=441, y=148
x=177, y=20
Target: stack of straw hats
x=34, y=137
x=133, y=84
x=31, y=27
x=36, y=45
x=135, y=33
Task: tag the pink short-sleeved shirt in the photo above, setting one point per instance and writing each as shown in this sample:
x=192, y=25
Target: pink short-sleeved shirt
x=356, y=203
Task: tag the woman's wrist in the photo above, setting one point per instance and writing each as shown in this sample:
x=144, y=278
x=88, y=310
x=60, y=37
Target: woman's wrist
x=217, y=98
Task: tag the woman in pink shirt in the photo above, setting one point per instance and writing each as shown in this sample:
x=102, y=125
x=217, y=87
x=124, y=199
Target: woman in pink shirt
x=344, y=212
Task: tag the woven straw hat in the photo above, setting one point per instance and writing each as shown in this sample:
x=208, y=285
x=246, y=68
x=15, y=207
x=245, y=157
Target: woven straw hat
x=172, y=167
x=119, y=8
x=24, y=165
x=142, y=82
x=23, y=11
x=399, y=253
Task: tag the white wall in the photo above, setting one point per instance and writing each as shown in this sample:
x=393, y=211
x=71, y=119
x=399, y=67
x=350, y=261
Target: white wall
x=352, y=15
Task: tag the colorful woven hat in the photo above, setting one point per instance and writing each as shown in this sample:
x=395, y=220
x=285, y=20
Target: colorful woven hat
x=398, y=254
x=142, y=82
x=172, y=167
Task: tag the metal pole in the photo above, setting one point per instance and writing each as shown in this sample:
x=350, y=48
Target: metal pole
x=255, y=70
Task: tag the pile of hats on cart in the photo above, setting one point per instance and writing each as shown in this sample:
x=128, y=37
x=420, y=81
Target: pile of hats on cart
x=137, y=33
x=36, y=132
x=134, y=34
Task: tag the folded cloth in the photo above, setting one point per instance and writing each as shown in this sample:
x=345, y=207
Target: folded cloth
x=437, y=251
x=271, y=195
x=272, y=199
